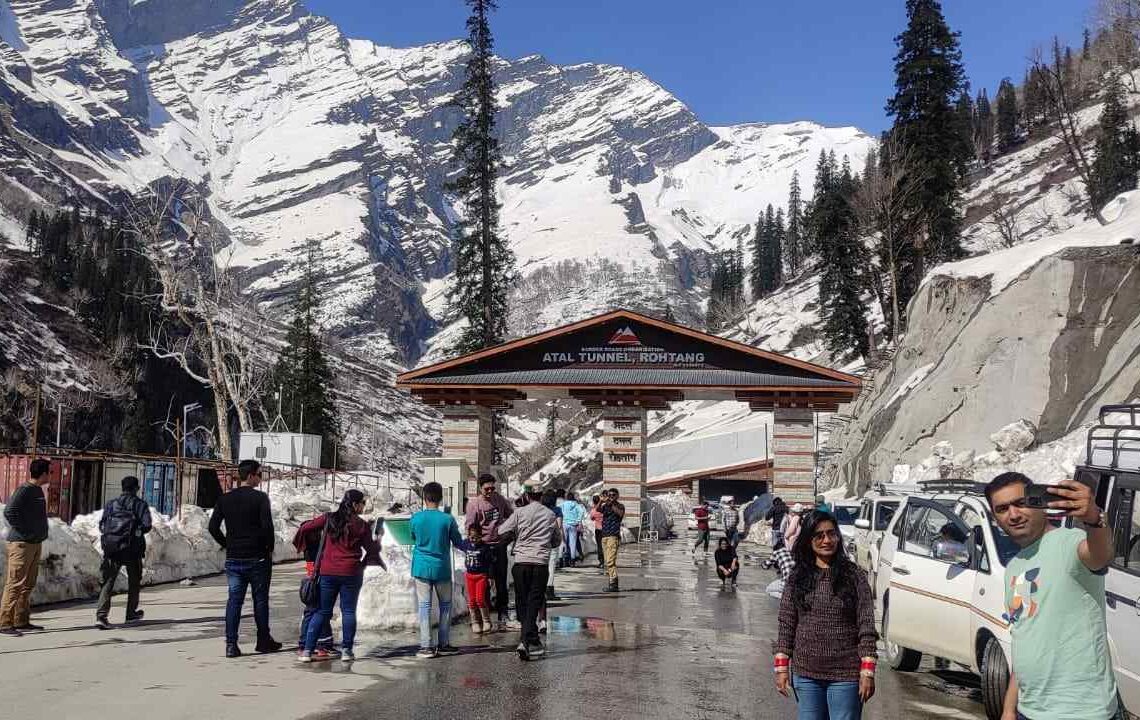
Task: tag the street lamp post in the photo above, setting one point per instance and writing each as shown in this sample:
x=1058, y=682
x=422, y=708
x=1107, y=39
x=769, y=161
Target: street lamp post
x=58, y=423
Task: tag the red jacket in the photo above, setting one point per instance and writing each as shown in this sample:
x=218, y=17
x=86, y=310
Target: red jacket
x=342, y=556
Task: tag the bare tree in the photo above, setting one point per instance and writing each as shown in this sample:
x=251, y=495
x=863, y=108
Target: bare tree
x=1119, y=22
x=1005, y=221
x=887, y=209
x=1057, y=88
x=204, y=325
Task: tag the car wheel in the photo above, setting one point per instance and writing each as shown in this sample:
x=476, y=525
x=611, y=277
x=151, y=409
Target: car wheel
x=900, y=658
x=995, y=678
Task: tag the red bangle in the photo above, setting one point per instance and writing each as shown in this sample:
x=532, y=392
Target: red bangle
x=783, y=662
x=865, y=665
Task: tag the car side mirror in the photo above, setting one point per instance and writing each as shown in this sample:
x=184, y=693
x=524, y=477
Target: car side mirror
x=863, y=523
x=951, y=552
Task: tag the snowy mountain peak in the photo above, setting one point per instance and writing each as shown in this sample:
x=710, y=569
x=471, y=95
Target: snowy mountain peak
x=303, y=135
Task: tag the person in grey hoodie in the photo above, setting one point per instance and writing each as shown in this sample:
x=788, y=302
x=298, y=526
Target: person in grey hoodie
x=535, y=532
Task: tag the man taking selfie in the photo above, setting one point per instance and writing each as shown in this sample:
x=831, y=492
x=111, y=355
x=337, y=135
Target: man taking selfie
x=1054, y=597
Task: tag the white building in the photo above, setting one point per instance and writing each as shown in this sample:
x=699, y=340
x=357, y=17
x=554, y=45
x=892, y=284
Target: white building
x=281, y=449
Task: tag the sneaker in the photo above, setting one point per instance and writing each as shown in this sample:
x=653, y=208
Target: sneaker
x=542, y=626
x=305, y=657
x=448, y=650
x=102, y=624
x=232, y=650
x=268, y=645
x=28, y=627
x=523, y=651
x=536, y=650
x=320, y=655
x=11, y=632
x=347, y=655
x=135, y=617
x=426, y=653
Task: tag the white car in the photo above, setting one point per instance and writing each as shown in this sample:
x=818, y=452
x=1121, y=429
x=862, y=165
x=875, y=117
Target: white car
x=875, y=513
x=846, y=512
x=940, y=587
x=1113, y=456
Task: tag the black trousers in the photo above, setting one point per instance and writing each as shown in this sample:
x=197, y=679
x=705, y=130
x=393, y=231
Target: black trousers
x=110, y=569
x=499, y=579
x=530, y=593
x=729, y=576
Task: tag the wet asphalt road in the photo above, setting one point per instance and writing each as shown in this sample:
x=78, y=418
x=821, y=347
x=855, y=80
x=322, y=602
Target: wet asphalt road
x=671, y=644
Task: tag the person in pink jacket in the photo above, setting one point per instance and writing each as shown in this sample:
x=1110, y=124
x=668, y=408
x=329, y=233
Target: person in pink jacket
x=792, y=522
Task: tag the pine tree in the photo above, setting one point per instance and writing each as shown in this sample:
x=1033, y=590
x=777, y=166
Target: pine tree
x=303, y=375
x=1007, y=115
x=965, y=112
x=930, y=78
x=484, y=263
x=842, y=262
x=756, y=275
x=983, y=128
x=1117, y=149
x=795, y=242
x=779, y=240
x=1086, y=49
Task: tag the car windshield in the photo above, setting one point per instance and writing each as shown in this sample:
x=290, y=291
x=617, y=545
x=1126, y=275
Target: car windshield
x=845, y=515
x=1006, y=547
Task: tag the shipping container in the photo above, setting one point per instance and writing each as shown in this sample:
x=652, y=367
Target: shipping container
x=113, y=473
x=158, y=487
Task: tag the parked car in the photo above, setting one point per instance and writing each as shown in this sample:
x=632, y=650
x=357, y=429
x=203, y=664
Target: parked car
x=1113, y=456
x=940, y=587
x=875, y=513
x=846, y=511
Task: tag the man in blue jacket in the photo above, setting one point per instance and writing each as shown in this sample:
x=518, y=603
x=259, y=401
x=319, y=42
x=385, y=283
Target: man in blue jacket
x=125, y=522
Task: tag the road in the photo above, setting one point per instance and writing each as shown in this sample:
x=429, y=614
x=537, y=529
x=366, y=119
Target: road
x=671, y=644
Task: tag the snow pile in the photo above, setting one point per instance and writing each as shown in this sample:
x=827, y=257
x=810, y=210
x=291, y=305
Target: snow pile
x=675, y=503
x=177, y=547
x=388, y=599
x=1012, y=451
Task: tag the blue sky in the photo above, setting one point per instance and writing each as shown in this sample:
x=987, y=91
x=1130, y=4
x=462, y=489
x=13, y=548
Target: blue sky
x=735, y=61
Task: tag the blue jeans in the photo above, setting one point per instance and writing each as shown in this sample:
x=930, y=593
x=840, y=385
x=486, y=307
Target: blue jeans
x=324, y=639
x=254, y=575
x=571, y=546
x=347, y=587
x=827, y=699
x=424, y=591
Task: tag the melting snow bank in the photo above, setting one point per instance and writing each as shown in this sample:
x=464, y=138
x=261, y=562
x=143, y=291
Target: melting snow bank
x=1013, y=450
x=177, y=548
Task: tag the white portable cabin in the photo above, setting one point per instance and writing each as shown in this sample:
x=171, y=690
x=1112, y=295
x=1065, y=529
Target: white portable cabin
x=281, y=449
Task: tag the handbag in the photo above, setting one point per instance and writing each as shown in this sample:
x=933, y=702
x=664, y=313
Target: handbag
x=310, y=590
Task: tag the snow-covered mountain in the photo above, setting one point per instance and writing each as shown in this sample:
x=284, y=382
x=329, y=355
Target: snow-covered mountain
x=302, y=135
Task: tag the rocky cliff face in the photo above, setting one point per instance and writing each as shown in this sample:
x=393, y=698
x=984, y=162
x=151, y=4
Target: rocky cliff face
x=302, y=135
x=1045, y=333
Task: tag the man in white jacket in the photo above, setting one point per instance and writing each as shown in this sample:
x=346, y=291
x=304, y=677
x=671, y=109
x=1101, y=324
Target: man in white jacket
x=535, y=532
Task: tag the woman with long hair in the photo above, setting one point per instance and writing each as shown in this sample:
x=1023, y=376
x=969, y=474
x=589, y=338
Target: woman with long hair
x=825, y=651
x=348, y=547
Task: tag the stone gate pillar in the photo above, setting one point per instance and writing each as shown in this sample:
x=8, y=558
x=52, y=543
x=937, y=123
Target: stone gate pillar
x=623, y=458
x=467, y=434
x=793, y=456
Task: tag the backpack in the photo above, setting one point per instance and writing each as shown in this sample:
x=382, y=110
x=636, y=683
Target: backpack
x=119, y=528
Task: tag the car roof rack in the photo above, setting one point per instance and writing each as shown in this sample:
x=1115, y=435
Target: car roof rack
x=1114, y=445
x=952, y=485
